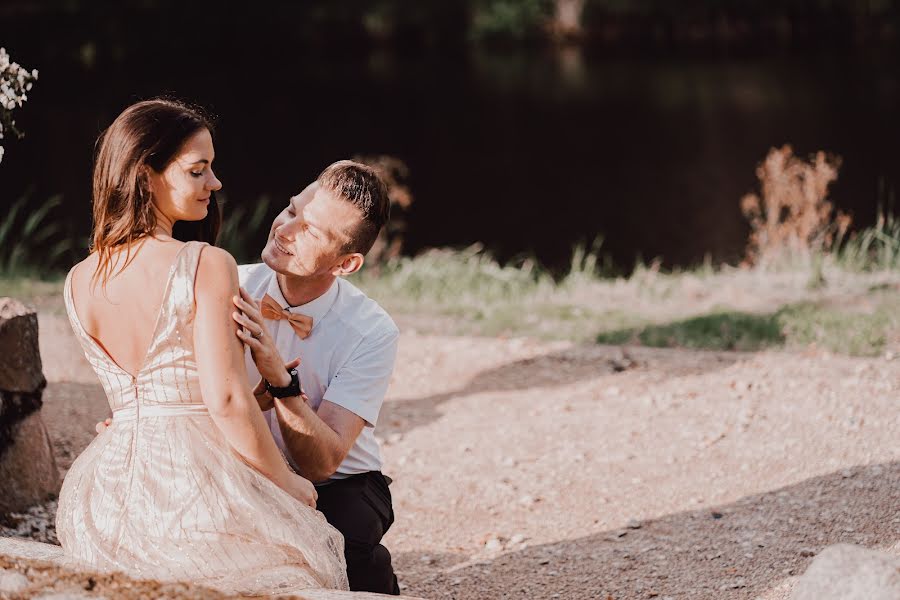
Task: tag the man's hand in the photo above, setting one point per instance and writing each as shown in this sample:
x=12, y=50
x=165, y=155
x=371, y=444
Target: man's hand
x=263, y=397
x=255, y=336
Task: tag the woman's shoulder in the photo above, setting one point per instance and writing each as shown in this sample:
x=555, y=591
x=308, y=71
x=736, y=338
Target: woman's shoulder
x=217, y=269
x=214, y=257
x=83, y=269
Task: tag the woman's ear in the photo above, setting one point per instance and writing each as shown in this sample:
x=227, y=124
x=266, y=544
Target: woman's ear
x=351, y=263
x=145, y=179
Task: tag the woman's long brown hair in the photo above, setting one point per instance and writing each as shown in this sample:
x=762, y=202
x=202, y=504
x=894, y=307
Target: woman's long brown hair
x=147, y=135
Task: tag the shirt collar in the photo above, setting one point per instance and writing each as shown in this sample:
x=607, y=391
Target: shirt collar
x=317, y=309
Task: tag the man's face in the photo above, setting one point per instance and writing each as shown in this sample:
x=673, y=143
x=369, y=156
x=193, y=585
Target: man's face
x=307, y=237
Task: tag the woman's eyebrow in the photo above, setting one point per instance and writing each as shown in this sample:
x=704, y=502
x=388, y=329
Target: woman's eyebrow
x=202, y=160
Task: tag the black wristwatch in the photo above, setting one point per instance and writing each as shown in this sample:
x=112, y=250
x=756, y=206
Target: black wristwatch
x=292, y=389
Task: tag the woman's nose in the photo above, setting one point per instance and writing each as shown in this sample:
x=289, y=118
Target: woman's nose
x=214, y=183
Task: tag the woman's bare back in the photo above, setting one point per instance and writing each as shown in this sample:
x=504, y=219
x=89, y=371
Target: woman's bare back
x=122, y=316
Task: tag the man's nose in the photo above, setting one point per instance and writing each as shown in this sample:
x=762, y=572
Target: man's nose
x=291, y=227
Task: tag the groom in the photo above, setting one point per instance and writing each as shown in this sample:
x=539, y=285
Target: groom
x=296, y=303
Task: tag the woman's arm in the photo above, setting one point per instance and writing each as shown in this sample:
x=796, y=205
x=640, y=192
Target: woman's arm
x=223, y=376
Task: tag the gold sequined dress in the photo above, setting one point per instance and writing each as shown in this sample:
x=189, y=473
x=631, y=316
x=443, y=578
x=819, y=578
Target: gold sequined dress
x=161, y=494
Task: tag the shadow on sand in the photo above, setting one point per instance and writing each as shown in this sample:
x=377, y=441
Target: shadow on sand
x=576, y=364
x=739, y=550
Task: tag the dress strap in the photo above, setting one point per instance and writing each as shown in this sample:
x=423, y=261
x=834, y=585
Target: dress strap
x=185, y=275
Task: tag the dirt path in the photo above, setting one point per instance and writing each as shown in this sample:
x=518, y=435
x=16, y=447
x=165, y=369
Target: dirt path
x=532, y=469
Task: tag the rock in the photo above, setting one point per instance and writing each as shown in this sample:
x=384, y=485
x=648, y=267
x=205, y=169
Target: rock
x=20, y=369
x=12, y=582
x=27, y=466
x=26, y=553
x=634, y=524
x=848, y=572
x=493, y=544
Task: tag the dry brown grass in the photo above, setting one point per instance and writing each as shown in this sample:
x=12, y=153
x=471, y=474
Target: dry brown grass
x=792, y=217
x=395, y=173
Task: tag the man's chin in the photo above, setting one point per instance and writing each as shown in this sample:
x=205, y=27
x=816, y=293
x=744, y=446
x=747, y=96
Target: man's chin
x=276, y=261
x=268, y=257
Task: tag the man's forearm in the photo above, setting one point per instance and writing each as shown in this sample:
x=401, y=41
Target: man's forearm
x=314, y=446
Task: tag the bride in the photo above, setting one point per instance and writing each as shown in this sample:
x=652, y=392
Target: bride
x=189, y=484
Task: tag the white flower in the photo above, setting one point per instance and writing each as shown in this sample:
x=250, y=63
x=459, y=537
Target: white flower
x=15, y=81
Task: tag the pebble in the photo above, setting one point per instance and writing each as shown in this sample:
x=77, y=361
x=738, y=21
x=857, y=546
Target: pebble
x=807, y=552
x=12, y=582
x=634, y=524
x=517, y=539
x=493, y=544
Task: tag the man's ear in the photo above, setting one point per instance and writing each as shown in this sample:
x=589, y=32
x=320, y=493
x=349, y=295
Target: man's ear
x=350, y=264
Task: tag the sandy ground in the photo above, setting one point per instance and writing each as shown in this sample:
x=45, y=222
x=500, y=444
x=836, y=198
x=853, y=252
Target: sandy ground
x=527, y=469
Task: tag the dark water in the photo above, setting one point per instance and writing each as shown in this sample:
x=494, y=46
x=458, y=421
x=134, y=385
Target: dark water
x=527, y=151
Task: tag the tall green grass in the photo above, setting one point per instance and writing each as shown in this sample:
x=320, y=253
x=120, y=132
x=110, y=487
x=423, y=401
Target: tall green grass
x=242, y=225
x=32, y=243
x=874, y=248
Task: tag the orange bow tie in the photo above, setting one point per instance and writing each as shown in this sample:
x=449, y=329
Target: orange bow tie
x=301, y=324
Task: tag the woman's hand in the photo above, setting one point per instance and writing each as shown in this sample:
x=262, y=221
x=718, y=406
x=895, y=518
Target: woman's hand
x=255, y=336
x=301, y=489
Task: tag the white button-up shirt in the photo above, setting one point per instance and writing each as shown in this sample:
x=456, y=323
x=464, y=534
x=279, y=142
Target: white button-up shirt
x=347, y=358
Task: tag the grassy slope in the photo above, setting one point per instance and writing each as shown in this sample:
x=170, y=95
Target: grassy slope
x=853, y=312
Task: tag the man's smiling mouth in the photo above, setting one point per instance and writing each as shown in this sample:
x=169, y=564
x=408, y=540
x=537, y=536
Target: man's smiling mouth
x=280, y=247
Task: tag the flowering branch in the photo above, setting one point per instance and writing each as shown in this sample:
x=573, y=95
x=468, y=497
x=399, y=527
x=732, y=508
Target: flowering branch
x=14, y=82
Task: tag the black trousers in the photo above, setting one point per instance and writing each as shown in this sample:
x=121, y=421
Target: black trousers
x=360, y=508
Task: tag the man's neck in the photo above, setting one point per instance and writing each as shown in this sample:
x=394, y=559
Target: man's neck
x=302, y=290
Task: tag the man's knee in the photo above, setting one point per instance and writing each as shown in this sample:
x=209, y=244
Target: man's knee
x=370, y=570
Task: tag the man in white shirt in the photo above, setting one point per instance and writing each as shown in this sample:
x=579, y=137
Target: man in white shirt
x=296, y=304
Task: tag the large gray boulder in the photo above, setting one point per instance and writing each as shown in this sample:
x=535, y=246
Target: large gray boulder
x=848, y=572
x=28, y=472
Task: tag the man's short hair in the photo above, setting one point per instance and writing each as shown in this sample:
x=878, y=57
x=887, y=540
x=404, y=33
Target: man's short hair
x=361, y=186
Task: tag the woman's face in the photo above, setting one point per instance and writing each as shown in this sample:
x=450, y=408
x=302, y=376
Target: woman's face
x=181, y=191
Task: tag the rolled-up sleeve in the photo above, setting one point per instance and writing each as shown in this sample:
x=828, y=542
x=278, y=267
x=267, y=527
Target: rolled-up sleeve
x=362, y=381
